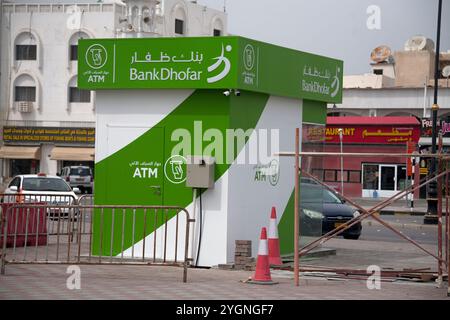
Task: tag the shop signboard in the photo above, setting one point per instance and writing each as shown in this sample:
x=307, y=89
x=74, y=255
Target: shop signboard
x=442, y=125
x=208, y=63
x=55, y=135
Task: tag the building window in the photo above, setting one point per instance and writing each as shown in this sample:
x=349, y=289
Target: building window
x=26, y=52
x=79, y=95
x=23, y=93
x=344, y=176
x=179, y=26
x=317, y=173
x=402, y=180
x=72, y=45
x=370, y=176
x=378, y=71
x=73, y=53
x=217, y=33
x=354, y=176
x=330, y=176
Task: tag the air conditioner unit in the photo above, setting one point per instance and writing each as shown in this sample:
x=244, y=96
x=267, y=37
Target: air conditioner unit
x=25, y=106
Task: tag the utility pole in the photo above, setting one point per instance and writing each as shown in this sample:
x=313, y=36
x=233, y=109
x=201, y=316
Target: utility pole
x=341, y=136
x=432, y=201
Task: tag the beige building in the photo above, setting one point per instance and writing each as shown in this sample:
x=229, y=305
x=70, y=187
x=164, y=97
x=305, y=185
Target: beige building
x=400, y=83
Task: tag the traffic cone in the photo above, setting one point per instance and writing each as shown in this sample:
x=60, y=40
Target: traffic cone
x=262, y=272
x=274, y=242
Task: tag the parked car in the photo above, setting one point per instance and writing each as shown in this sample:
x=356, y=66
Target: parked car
x=318, y=203
x=41, y=188
x=79, y=176
x=308, y=180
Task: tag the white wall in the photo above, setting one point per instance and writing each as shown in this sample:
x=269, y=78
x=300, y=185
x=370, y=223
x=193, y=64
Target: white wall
x=110, y=115
x=393, y=101
x=200, y=20
x=250, y=201
x=52, y=70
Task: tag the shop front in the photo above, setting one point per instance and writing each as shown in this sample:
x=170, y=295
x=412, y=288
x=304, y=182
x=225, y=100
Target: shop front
x=231, y=101
x=29, y=149
x=20, y=159
x=443, y=126
x=375, y=176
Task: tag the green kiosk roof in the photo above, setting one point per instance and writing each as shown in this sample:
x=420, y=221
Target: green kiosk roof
x=208, y=63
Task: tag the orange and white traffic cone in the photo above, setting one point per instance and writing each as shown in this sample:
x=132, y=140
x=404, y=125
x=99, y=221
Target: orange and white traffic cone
x=274, y=241
x=262, y=272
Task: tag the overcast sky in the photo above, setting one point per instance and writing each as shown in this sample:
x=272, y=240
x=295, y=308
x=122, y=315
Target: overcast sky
x=331, y=27
x=336, y=28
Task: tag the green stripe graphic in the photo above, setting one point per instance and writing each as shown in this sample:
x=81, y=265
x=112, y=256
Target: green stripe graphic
x=116, y=185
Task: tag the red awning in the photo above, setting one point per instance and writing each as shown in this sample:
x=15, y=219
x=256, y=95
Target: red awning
x=376, y=121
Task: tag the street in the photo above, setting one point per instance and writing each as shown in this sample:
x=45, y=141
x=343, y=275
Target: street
x=382, y=247
x=412, y=226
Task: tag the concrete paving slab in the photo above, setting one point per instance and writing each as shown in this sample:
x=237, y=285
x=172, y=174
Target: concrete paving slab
x=48, y=282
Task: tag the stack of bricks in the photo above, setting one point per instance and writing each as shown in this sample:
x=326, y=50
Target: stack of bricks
x=243, y=255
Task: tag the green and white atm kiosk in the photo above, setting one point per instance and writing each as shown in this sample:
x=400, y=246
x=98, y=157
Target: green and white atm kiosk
x=161, y=100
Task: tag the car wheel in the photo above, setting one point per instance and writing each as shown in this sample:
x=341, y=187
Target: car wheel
x=351, y=236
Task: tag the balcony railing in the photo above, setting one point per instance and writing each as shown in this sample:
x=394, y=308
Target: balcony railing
x=61, y=8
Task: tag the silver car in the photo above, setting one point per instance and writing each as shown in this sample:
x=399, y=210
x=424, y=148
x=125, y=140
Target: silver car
x=78, y=176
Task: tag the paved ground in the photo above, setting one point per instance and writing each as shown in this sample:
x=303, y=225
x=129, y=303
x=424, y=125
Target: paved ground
x=377, y=246
x=142, y=282
x=412, y=226
x=155, y=282
x=360, y=254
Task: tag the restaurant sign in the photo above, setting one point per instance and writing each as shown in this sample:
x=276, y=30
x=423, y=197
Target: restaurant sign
x=373, y=134
x=55, y=135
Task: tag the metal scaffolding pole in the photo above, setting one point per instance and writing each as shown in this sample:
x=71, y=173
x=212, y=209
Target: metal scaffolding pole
x=443, y=173
x=439, y=212
x=296, y=204
x=432, y=200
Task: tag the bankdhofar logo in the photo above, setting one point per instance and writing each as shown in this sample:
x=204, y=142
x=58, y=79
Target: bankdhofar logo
x=96, y=56
x=269, y=172
x=221, y=60
x=175, y=169
x=249, y=57
x=335, y=85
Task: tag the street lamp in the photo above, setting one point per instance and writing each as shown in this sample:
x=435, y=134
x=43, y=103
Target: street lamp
x=341, y=135
x=432, y=201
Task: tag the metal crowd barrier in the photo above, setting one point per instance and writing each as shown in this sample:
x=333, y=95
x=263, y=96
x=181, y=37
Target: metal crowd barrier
x=54, y=199
x=86, y=199
x=94, y=234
